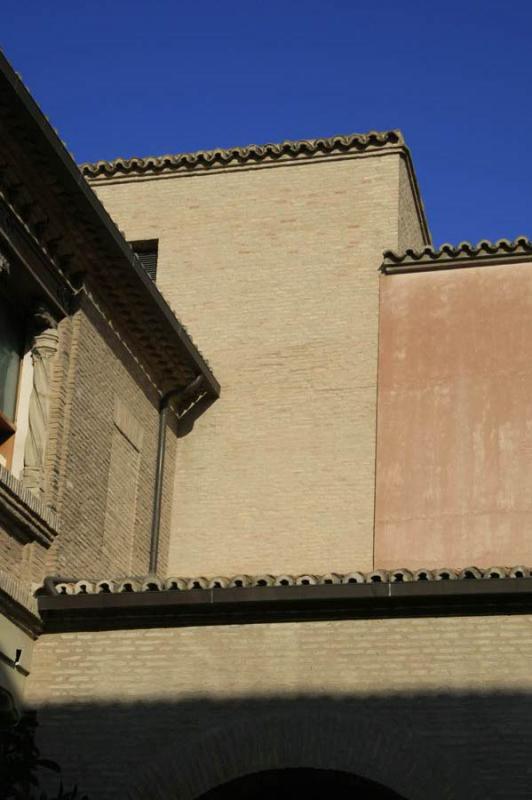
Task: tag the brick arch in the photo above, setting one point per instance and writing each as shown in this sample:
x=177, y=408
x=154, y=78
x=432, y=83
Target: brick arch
x=395, y=757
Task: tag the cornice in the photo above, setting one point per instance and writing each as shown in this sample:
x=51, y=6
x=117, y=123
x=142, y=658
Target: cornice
x=151, y=583
x=34, y=270
x=149, y=602
x=23, y=514
x=465, y=254
x=302, y=149
x=43, y=187
x=18, y=604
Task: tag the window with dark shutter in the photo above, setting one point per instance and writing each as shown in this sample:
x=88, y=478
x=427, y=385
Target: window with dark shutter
x=147, y=252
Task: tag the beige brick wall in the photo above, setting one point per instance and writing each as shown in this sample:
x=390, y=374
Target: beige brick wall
x=121, y=504
x=431, y=707
x=411, y=233
x=22, y=560
x=11, y=551
x=100, y=459
x=101, y=466
x=274, y=271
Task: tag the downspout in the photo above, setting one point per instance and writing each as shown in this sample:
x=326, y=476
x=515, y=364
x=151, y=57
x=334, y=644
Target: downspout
x=181, y=394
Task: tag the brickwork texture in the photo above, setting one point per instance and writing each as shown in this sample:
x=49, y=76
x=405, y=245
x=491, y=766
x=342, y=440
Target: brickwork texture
x=435, y=708
x=103, y=443
x=275, y=270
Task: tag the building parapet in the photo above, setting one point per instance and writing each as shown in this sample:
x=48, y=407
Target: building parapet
x=288, y=152
x=465, y=254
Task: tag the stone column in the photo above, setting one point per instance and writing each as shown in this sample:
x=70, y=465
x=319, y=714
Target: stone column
x=43, y=349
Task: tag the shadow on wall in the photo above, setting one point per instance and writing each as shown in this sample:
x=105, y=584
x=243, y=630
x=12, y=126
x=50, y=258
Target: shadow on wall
x=437, y=746
x=10, y=697
x=312, y=784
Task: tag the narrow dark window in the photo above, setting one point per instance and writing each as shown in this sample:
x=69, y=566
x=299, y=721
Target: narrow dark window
x=10, y=356
x=11, y=351
x=147, y=252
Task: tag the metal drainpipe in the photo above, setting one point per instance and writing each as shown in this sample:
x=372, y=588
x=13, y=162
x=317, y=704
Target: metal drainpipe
x=159, y=469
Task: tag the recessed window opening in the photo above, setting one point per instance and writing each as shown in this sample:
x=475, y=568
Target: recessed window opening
x=147, y=251
x=11, y=354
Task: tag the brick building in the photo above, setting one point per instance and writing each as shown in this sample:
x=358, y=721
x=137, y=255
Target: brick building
x=301, y=565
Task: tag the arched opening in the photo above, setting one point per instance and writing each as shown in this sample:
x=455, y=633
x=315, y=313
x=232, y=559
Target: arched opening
x=309, y=749
x=311, y=784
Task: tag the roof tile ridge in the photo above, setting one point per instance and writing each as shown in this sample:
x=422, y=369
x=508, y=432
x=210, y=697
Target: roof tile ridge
x=243, y=154
x=464, y=250
x=152, y=583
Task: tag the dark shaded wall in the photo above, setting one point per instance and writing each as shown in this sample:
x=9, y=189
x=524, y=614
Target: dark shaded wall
x=437, y=708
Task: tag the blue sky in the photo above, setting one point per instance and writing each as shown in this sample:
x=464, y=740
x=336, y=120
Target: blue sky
x=122, y=78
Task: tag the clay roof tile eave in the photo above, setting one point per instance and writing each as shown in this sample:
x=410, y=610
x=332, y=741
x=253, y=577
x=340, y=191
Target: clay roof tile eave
x=333, y=145
x=463, y=254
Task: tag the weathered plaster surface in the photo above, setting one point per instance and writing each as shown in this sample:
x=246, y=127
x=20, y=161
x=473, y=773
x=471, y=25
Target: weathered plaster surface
x=454, y=470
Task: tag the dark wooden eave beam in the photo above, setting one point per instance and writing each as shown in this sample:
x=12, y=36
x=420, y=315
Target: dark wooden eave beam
x=174, y=608
x=41, y=280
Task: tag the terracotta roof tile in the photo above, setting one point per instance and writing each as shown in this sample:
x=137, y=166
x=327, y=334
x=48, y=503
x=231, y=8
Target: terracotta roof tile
x=151, y=583
x=463, y=254
x=375, y=140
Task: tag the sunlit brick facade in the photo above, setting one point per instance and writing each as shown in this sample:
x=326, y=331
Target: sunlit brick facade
x=265, y=463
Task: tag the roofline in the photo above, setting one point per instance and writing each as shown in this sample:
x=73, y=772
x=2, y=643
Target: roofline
x=281, y=152
x=284, y=153
x=465, y=254
x=285, y=604
x=96, y=212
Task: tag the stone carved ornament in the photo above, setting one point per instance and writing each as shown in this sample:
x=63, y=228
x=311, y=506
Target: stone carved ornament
x=43, y=348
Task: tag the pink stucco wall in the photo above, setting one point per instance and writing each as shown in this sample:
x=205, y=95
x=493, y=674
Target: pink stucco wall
x=454, y=457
